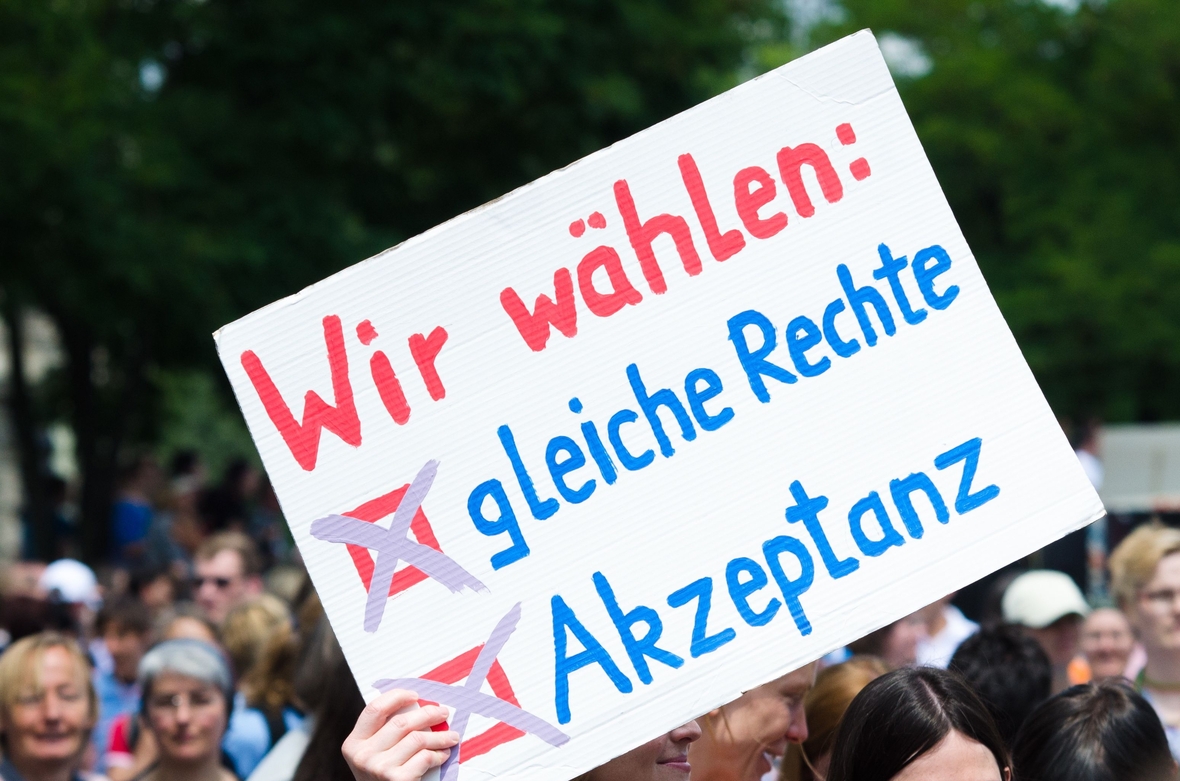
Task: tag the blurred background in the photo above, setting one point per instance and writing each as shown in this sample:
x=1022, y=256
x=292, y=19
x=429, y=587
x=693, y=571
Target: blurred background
x=167, y=166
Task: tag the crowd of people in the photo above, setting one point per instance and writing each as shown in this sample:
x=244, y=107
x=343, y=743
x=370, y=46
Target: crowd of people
x=203, y=654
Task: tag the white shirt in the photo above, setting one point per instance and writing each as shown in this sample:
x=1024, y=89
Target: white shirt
x=936, y=651
x=1092, y=466
x=280, y=762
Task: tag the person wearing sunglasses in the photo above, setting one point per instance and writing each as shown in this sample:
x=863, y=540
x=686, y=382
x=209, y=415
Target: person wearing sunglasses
x=227, y=573
x=187, y=694
x=47, y=708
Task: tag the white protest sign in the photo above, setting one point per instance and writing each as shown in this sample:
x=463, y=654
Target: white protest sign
x=659, y=427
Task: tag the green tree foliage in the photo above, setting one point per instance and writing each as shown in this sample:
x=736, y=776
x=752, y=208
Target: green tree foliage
x=68, y=160
x=323, y=133
x=1056, y=135
x=169, y=165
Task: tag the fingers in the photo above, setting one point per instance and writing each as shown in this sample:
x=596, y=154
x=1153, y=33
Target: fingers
x=392, y=740
x=408, y=759
x=373, y=769
x=404, y=751
x=425, y=761
x=378, y=712
x=402, y=725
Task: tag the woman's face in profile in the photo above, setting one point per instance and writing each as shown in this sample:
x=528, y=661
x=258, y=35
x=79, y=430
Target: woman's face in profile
x=755, y=727
x=955, y=757
x=662, y=759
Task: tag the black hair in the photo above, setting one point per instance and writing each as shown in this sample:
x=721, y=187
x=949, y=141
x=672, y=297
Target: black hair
x=235, y=470
x=131, y=470
x=901, y=716
x=340, y=706
x=991, y=611
x=22, y=615
x=149, y=573
x=184, y=462
x=225, y=505
x=56, y=489
x=1009, y=671
x=1094, y=732
x=127, y=615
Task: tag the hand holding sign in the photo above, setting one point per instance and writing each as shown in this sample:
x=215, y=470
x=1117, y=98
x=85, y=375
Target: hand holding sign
x=467, y=699
x=386, y=745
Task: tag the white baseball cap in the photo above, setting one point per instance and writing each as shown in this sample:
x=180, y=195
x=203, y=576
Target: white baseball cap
x=1038, y=598
x=71, y=581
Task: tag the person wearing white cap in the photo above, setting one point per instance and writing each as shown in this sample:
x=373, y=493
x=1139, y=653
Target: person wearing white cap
x=71, y=582
x=1050, y=608
x=73, y=585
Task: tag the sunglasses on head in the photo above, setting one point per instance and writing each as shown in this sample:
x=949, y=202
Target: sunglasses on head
x=221, y=583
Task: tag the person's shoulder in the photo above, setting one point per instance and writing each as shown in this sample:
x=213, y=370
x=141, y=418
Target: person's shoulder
x=247, y=739
x=249, y=724
x=280, y=762
x=104, y=681
x=293, y=719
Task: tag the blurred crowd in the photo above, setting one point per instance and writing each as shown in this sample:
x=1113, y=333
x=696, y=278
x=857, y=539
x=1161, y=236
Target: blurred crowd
x=224, y=674
x=201, y=651
x=161, y=515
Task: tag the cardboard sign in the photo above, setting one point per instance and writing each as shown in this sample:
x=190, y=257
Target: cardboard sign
x=593, y=459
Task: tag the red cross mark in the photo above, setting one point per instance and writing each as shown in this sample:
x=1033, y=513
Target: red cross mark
x=373, y=511
x=392, y=545
x=456, y=670
x=479, y=666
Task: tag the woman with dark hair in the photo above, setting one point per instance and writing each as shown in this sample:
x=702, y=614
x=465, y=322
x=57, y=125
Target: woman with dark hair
x=337, y=704
x=918, y=724
x=1094, y=732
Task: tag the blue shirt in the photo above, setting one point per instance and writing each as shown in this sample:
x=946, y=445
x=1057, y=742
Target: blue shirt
x=114, y=699
x=130, y=522
x=247, y=736
x=8, y=773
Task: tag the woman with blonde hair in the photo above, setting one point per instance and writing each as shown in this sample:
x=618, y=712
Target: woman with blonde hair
x=835, y=688
x=258, y=636
x=1145, y=578
x=250, y=626
x=47, y=708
